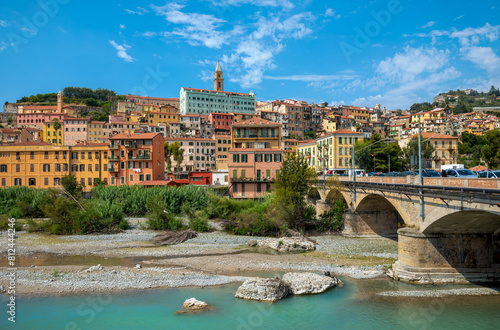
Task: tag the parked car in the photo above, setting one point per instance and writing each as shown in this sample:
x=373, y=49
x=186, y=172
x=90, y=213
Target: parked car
x=461, y=173
x=430, y=174
x=370, y=174
x=394, y=174
x=379, y=174
x=489, y=174
x=406, y=173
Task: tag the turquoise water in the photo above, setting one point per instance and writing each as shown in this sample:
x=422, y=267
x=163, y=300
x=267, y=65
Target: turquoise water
x=355, y=306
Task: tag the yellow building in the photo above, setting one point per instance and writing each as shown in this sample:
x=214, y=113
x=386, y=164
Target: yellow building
x=51, y=135
x=330, y=123
x=222, y=146
x=96, y=133
x=333, y=151
x=266, y=135
x=433, y=114
x=360, y=114
x=40, y=164
x=155, y=118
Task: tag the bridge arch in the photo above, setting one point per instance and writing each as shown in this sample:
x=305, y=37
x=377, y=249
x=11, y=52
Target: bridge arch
x=313, y=196
x=373, y=215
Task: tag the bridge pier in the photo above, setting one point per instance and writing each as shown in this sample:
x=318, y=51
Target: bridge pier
x=371, y=223
x=447, y=258
x=322, y=207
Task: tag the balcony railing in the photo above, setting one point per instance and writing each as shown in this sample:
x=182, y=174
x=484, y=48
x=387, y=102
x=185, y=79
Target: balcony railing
x=114, y=158
x=251, y=180
x=147, y=157
x=114, y=146
x=132, y=145
x=113, y=169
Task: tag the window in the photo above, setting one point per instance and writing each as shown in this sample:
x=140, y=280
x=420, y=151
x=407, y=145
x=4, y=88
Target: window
x=82, y=181
x=74, y=168
x=74, y=155
x=32, y=182
x=340, y=140
x=277, y=158
x=46, y=167
x=46, y=181
x=112, y=180
x=46, y=155
x=236, y=158
x=268, y=158
x=3, y=168
x=17, y=182
x=268, y=174
x=131, y=178
x=83, y=155
x=243, y=172
x=148, y=177
x=340, y=151
x=82, y=167
x=90, y=167
x=141, y=177
x=258, y=158
x=235, y=188
x=235, y=174
x=122, y=165
x=122, y=180
x=58, y=167
x=90, y=155
x=32, y=167
x=89, y=181
x=244, y=158
x=259, y=187
x=18, y=168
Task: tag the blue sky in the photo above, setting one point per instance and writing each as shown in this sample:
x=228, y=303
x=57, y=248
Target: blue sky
x=391, y=52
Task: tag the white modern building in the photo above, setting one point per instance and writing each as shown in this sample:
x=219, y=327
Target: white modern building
x=204, y=101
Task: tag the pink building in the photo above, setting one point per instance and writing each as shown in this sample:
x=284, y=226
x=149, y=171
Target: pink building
x=75, y=130
x=252, y=171
x=30, y=120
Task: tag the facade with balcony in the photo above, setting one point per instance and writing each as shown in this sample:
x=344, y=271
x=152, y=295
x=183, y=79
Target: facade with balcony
x=136, y=158
x=255, y=157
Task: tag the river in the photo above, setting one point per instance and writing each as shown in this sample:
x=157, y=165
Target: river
x=357, y=305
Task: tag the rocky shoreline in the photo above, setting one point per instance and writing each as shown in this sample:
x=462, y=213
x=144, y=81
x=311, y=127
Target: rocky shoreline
x=209, y=259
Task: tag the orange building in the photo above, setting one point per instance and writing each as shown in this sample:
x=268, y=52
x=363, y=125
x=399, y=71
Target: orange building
x=136, y=159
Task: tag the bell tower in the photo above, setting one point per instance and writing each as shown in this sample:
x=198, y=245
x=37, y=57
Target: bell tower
x=218, y=79
x=59, y=102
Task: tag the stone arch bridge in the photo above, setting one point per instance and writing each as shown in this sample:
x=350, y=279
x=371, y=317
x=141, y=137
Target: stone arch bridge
x=448, y=230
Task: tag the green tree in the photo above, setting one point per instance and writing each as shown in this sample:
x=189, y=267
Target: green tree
x=10, y=120
x=70, y=184
x=418, y=107
x=291, y=188
x=411, y=150
x=173, y=150
x=310, y=135
x=490, y=152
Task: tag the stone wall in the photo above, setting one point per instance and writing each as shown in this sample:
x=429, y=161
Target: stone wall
x=10, y=108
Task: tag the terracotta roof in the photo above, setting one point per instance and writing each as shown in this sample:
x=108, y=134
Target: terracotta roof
x=345, y=131
x=214, y=92
x=33, y=143
x=153, y=98
x=256, y=121
x=83, y=144
x=10, y=130
x=187, y=139
x=426, y=135
x=43, y=107
x=255, y=149
x=142, y=136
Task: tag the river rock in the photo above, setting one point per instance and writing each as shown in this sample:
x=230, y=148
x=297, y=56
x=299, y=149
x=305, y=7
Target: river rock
x=193, y=306
x=94, y=268
x=174, y=237
x=308, y=283
x=263, y=289
x=288, y=244
x=252, y=243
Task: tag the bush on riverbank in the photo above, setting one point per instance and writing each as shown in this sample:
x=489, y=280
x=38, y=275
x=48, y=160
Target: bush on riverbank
x=159, y=218
x=332, y=220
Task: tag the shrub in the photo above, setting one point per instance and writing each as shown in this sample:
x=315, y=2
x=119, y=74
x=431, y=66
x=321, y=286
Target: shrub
x=332, y=220
x=4, y=224
x=159, y=218
x=199, y=221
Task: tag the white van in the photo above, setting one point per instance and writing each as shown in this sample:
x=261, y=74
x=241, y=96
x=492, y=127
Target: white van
x=452, y=167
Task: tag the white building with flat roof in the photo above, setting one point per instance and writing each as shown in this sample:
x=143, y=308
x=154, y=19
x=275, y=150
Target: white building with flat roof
x=204, y=101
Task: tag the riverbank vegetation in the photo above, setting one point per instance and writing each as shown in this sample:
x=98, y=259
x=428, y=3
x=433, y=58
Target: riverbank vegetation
x=173, y=208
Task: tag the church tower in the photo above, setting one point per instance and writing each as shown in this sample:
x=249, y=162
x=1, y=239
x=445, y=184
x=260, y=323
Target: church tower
x=218, y=79
x=59, y=102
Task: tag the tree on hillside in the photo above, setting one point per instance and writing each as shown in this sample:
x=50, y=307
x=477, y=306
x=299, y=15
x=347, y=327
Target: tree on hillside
x=291, y=188
x=10, y=121
x=418, y=107
x=490, y=152
x=310, y=135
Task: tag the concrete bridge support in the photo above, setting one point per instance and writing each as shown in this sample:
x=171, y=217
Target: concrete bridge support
x=447, y=258
x=371, y=223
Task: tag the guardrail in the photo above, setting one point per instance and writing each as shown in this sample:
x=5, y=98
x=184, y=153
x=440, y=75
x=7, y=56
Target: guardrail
x=469, y=195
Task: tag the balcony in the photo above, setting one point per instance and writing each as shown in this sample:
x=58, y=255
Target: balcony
x=251, y=180
x=113, y=169
x=141, y=157
x=114, y=146
x=114, y=159
x=131, y=146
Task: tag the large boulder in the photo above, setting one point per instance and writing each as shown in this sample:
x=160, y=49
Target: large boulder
x=288, y=244
x=174, y=237
x=193, y=306
x=264, y=289
x=308, y=283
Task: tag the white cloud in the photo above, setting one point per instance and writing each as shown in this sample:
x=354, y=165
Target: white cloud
x=261, y=3
x=406, y=66
x=471, y=35
x=428, y=24
x=138, y=11
x=3, y=46
x=122, y=26
x=459, y=17
x=3, y=23
x=484, y=57
x=195, y=28
x=122, y=51
x=331, y=13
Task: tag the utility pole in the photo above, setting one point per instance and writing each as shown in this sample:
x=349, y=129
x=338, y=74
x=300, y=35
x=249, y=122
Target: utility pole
x=420, y=181
x=389, y=156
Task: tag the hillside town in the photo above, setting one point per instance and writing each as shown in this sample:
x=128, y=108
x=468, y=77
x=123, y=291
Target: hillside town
x=215, y=137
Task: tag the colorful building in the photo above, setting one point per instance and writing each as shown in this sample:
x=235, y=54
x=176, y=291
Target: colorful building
x=136, y=158
x=39, y=164
x=75, y=130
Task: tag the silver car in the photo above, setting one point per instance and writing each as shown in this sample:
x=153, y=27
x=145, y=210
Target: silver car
x=461, y=173
x=490, y=174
